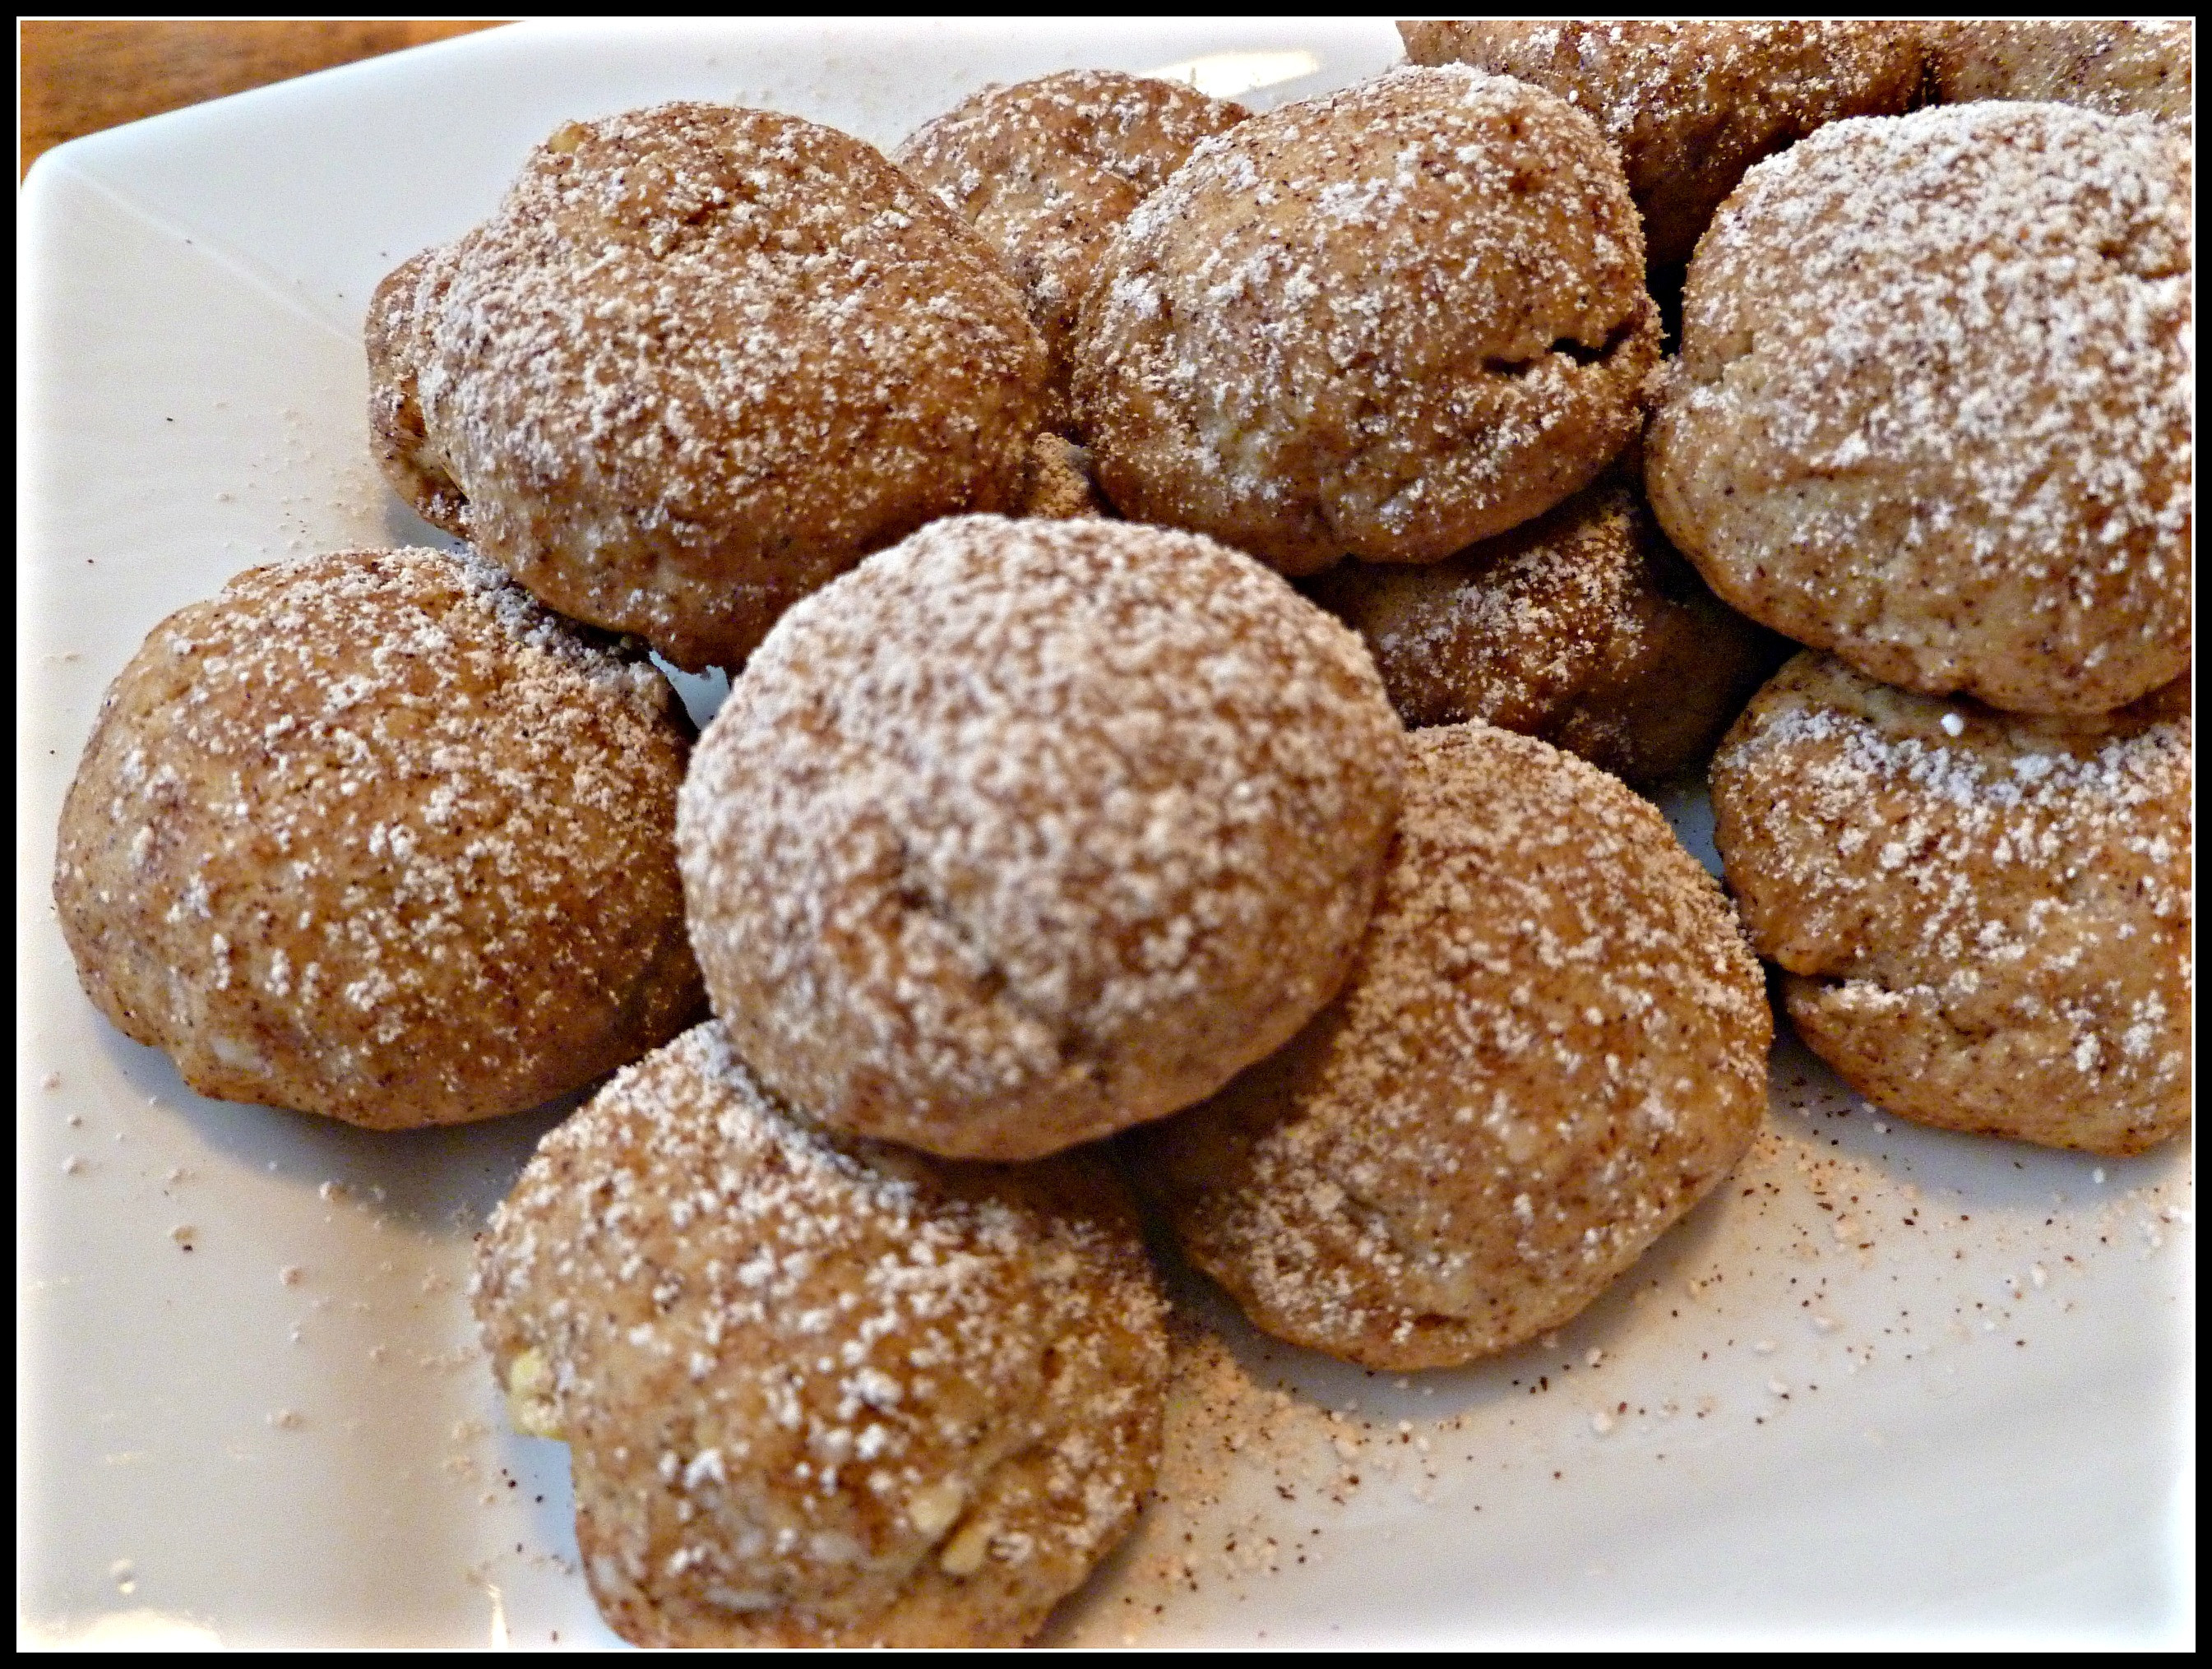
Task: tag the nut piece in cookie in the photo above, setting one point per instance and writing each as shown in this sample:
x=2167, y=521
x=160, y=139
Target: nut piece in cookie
x=1046, y=170
x=2120, y=66
x=1932, y=410
x=1387, y=324
x=1026, y=831
x=1584, y=628
x=1059, y=486
x=1553, y=1045
x=1982, y=918
x=372, y=834
x=820, y=1392
x=701, y=360
x=1693, y=102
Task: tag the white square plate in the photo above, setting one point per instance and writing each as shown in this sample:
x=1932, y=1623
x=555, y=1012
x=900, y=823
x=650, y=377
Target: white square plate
x=1890, y=1384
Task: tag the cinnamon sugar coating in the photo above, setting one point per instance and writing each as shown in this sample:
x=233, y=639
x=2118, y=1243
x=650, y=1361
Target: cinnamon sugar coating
x=1553, y=1045
x=2121, y=66
x=1584, y=628
x=1386, y=322
x=1982, y=918
x=371, y=834
x=401, y=306
x=1692, y=103
x=699, y=361
x=1058, y=485
x=1026, y=831
x=1046, y=169
x=1932, y=410
x=820, y=1392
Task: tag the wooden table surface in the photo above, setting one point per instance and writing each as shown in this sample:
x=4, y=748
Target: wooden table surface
x=79, y=77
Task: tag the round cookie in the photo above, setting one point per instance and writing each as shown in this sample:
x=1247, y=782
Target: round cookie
x=701, y=360
x=1046, y=170
x=1387, y=323
x=408, y=297
x=1581, y=627
x=1692, y=103
x=1984, y=920
x=1023, y=832
x=820, y=1392
x=2119, y=66
x=371, y=834
x=1932, y=410
x=1553, y=1045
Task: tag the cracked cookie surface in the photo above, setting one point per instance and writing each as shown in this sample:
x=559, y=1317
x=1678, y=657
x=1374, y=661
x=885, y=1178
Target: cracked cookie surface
x=1982, y=918
x=1385, y=323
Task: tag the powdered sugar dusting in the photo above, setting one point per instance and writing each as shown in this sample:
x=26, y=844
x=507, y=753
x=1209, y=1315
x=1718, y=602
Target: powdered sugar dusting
x=2018, y=889
x=1390, y=321
x=1554, y=1042
x=1932, y=409
x=347, y=834
x=820, y=1392
x=702, y=359
x=1025, y=830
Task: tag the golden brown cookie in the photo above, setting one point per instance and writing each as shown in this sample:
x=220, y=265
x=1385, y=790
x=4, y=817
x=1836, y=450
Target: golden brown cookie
x=1026, y=831
x=1932, y=410
x=1046, y=170
x=699, y=361
x=1983, y=919
x=2121, y=67
x=1692, y=103
x=820, y=1392
x=1553, y=1045
x=371, y=834
x=407, y=298
x=1385, y=323
x=1584, y=628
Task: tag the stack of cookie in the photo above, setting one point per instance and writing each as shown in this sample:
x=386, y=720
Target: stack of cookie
x=1018, y=833
x=1931, y=418
x=1027, y=833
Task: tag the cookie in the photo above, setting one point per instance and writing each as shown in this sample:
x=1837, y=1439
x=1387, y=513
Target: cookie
x=817, y=1392
x=1385, y=323
x=2122, y=67
x=1584, y=628
x=1982, y=918
x=1046, y=169
x=1932, y=410
x=1027, y=831
x=1689, y=104
x=373, y=835
x=699, y=361
x=1059, y=486
x=398, y=309
x=1553, y=1045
